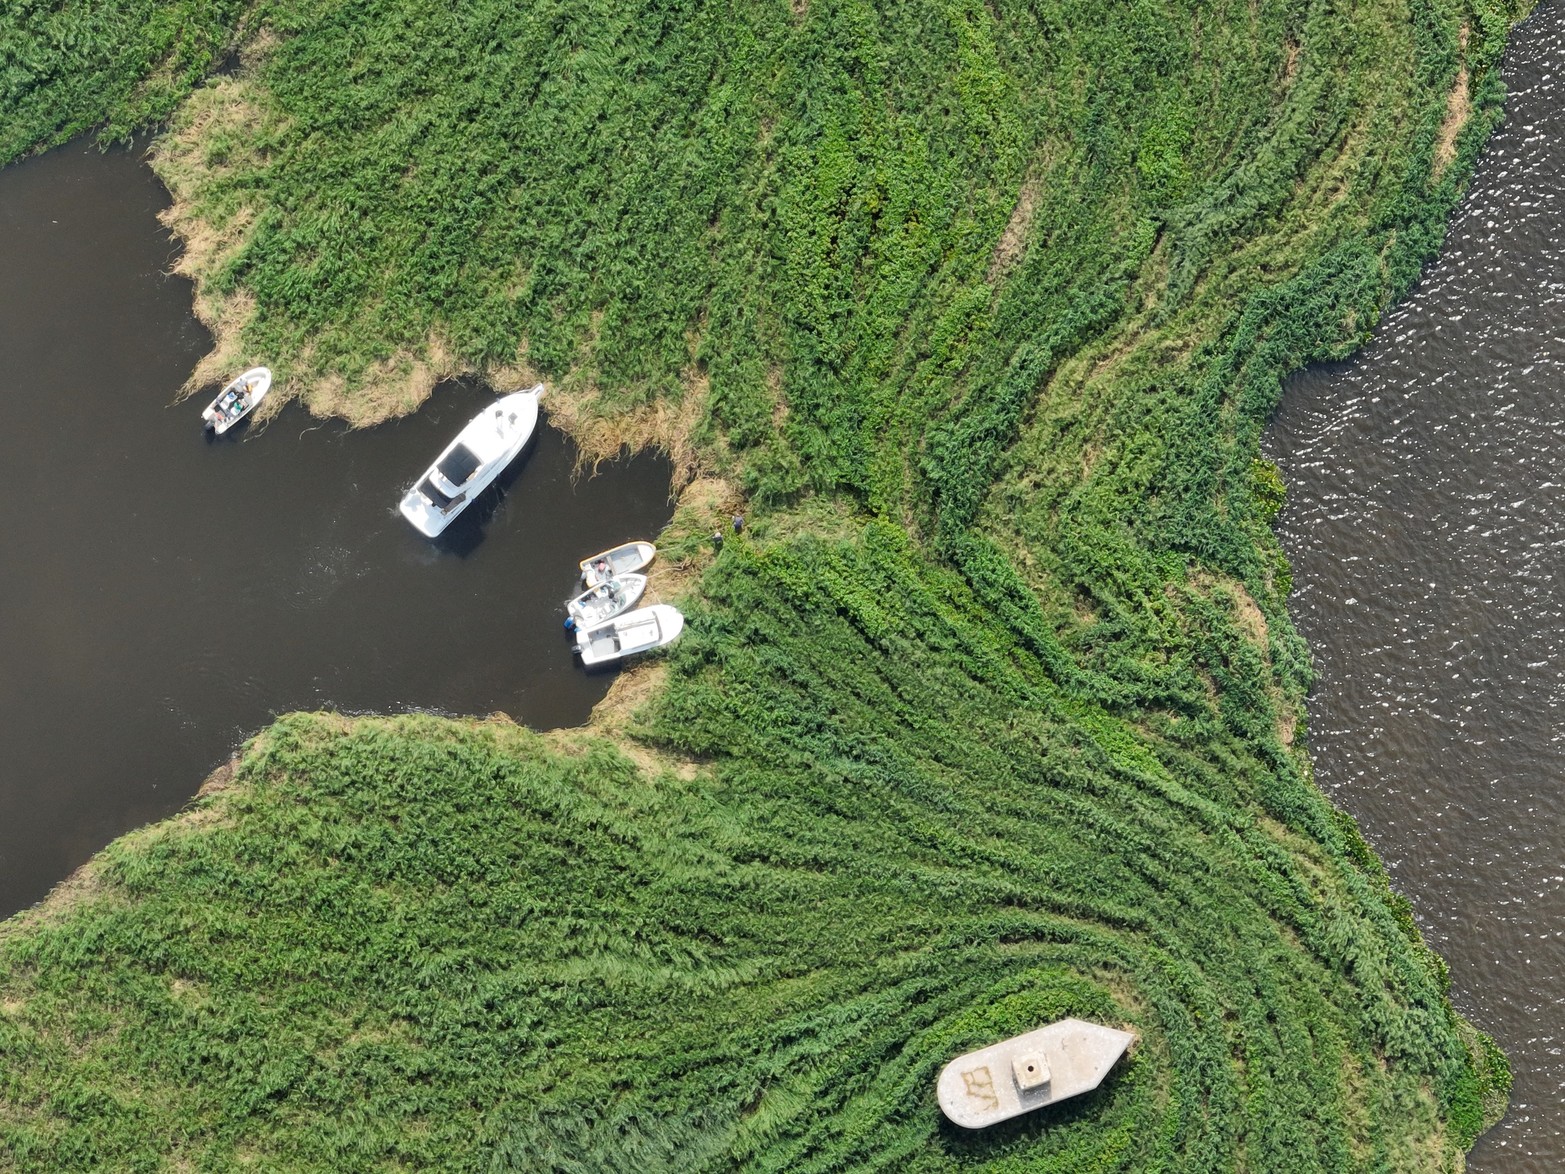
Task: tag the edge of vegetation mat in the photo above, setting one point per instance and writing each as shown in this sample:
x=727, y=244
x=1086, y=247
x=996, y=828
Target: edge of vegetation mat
x=989, y=717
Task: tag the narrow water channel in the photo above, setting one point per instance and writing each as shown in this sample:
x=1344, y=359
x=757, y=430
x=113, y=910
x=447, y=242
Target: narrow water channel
x=163, y=595
x=1426, y=525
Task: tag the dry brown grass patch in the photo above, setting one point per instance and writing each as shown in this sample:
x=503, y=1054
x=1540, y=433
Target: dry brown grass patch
x=1012, y=245
x=774, y=384
x=220, y=779
x=1247, y=613
x=1013, y=241
x=705, y=504
x=1287, y=725
x=614, y=717
x=186, y=991
x=1089, y=458
x=229, y=110
x=631, y=690
x=1083, y=612
x=392, y=387
x=1458, y=109
x=1250, y=617
x=602, y=433
x=1290, y=61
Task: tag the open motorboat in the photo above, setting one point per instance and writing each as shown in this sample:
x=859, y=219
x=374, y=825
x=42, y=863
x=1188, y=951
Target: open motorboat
x=621, y=560
x=607, y=599
x=629, y=633
x=488, y=443
x=237, y=400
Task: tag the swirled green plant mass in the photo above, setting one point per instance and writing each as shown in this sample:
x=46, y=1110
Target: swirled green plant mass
x=990, y=716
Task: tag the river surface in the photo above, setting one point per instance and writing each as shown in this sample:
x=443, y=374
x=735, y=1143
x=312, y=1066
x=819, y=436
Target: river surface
x=1426, y=525
x=164, y=594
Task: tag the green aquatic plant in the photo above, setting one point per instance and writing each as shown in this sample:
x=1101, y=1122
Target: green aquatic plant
x=120, y=66
x=1267, y=487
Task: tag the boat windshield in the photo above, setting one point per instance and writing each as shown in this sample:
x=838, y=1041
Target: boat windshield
x=458, y=464
x=434, y=495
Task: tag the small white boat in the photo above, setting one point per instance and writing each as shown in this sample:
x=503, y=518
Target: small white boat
x=237, y=400
x=621, y=560
x=607, y=599
x=472, y=461
x=627, y=634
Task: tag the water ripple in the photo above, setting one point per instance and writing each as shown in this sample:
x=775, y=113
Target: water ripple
x=1426, y=524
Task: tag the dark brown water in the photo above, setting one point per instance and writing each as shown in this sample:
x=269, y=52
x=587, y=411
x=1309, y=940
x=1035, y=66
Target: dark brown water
x=1426, y=524
x=163, y=595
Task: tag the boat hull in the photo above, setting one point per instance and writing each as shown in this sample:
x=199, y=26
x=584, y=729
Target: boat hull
x=488, y=443
x=617, y=560
x=603, y=602
x=237, y=400
x=628, y=634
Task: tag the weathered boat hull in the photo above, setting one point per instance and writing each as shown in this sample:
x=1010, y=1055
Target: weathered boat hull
x=1026, y=1072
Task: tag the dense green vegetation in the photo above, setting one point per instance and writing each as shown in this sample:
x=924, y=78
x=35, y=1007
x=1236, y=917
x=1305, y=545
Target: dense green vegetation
x=67, y=67
x=421, y=944
x=991, y=716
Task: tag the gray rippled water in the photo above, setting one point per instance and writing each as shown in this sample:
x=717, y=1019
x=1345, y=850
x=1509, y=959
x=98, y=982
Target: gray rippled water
x=1426, y=525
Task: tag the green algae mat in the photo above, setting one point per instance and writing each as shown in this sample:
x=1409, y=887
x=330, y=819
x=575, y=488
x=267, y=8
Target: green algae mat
x=990, y=717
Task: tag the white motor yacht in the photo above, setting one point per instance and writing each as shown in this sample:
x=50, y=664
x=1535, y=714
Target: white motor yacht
x=471, y=462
